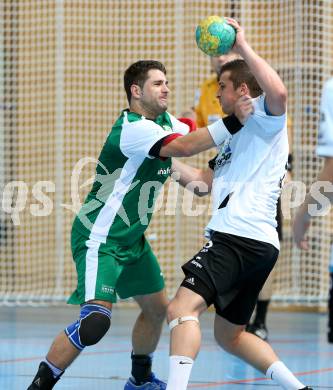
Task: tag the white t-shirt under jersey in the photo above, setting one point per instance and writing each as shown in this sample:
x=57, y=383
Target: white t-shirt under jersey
x=325, y=134
x=249, y=168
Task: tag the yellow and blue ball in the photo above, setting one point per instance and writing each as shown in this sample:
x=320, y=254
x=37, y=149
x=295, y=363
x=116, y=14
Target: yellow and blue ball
x=214, y=36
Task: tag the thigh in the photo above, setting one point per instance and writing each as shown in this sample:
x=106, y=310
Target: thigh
x=251, y=281
x=97, y=273
x=186, y=302
x=218, y=267
x=205, y=290
x=224, y=330
x=234, y=269
x=267, y=289
x=241, y=307
x=142, y=276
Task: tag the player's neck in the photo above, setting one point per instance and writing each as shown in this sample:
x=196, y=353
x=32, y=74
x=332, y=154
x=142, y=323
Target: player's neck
x=138, y=109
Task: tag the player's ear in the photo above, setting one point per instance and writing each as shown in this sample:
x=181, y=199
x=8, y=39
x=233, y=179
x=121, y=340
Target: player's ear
x=244, y=89
x=136, y=91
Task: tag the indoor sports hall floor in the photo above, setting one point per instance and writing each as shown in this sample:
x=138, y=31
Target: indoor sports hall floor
x=26, y=333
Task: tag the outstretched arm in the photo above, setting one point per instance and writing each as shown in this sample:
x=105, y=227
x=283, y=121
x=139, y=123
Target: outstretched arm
x=190, y=144
x=266, y=76
x=302, y=219
x=208, y=137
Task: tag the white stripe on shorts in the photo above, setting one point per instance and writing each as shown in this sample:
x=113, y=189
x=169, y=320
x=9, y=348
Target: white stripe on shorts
x=91, y=269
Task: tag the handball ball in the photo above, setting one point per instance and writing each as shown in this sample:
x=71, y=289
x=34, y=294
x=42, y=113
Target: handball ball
x=214, y=36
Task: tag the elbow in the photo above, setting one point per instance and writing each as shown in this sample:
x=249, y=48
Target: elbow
x=278, y=101
x=283, y=96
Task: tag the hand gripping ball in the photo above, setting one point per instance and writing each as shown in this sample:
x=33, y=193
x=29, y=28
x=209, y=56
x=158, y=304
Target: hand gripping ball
x=214, y=36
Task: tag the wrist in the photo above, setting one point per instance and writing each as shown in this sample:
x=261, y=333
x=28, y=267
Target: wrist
x=224, y=128
x=304, y=213
x=244, y=50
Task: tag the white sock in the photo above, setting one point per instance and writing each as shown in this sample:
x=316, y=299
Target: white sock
x=283, y=376
x=179, y=372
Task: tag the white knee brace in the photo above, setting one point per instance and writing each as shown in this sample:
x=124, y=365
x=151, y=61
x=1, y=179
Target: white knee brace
x=180, y=320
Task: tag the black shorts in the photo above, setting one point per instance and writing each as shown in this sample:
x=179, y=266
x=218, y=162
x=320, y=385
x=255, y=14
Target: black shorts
x=229, y=272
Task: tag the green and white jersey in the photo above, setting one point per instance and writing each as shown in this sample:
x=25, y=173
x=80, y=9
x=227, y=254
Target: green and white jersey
x=120, y=204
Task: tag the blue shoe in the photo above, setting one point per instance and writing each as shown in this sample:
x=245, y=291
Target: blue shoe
x=154, y=384
x=162, y=385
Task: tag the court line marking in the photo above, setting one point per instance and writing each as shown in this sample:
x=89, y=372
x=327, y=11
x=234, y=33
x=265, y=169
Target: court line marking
x=191, y=385
x=235, y=382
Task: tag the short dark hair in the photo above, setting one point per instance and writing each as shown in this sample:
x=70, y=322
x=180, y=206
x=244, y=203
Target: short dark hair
x=241, y=73
x=137, y=74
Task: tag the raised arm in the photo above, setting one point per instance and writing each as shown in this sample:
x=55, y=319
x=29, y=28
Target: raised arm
x=266, y=76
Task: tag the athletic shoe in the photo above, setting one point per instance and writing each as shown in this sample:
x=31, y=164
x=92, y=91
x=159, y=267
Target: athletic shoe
x=44, y=379
x=259, y=330
x=153, y=384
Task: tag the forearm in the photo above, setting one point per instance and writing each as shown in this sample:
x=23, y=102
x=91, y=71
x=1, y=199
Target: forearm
x=195, y=142
x=214, y=134
x=206, y=137
x=266, y=76
x=196, y=180
x=320, y=187
x=185, y=173
x=191, y=144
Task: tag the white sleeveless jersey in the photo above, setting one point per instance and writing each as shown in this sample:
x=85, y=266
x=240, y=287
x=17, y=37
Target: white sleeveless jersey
x=325, y=133
x=248, y=174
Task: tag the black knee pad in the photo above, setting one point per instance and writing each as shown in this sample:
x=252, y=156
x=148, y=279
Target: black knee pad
x=93, y=328
x=94, y=322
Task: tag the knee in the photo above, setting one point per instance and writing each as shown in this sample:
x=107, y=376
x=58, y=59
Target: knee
x=160, y=314
x=89, y=329
x=174, y=310
x=154, y=306
x=156, y=313
x=93, y=328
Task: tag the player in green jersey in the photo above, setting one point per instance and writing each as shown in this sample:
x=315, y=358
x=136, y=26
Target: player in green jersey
x=111, y=254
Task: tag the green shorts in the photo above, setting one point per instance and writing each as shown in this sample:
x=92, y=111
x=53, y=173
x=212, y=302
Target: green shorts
x=106, y=271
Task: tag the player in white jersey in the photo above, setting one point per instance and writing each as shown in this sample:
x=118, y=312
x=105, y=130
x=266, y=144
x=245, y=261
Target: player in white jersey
x=245, y=181
x=324, y=149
